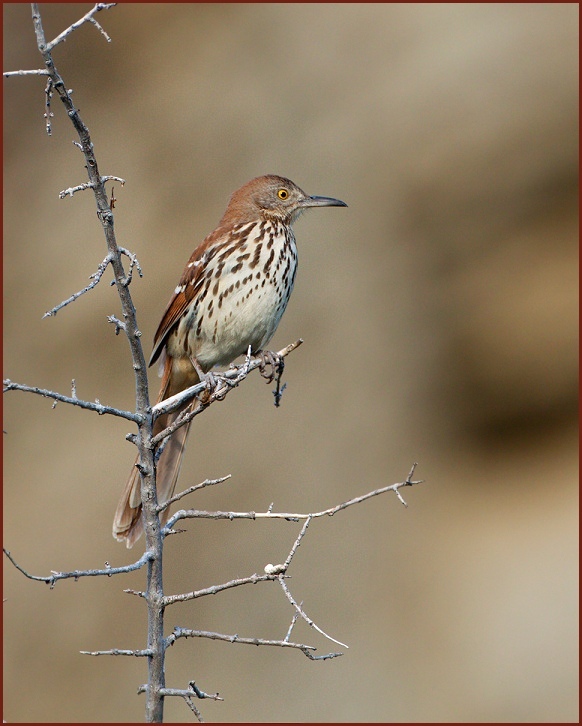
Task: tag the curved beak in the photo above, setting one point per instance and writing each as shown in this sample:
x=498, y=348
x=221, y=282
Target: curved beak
x=321, y=202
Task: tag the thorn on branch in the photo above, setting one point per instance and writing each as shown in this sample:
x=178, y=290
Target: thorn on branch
x=135, y=592
x=118, y=324
x=175, y=530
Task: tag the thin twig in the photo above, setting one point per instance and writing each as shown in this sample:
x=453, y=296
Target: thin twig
x=95, y=279
x=97, y=407
x=187, y=633
x=73, y=190
x=192, y=691
x=76, y=574
x=133, y=262
x=214, y=589
x=137, y=593
x=113, y=178
x=292, y=625
x=116, y=651
x=190, y=490
x=192, y=706
x=87, y=185
x=307, y=619
x=88, y=18
x=296, y=544
x=291, y=516
x=39, y=72
x=234, y=373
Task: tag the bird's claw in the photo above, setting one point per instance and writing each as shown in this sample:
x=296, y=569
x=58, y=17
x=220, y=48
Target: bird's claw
x=274, y=361
x=277, y=365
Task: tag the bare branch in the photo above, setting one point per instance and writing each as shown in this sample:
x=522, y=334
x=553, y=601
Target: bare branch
x=224, y=383
x=95, y=278
x=292, y=625
x=187, y=694
x=137, y=593
x=154, y=549
x=96, y=183
x=296, y=544
x=196, y=487
x=272, y=572
x=88, y=185
x=119, y=326
x=214, y=589
x=291, y=516
x=97, y=407
x=39, y=72
x=76, y=574
x=307, y=619
x=133, y=262
x=113, y=178
x=186, y=633
x=192, y=691
x=73, y=190
x=116, y=651
x=88, y=18
x=48, y=114
x=191, y=705
x=215, y=386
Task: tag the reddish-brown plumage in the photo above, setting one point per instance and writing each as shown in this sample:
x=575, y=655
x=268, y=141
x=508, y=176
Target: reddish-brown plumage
x=232, y=294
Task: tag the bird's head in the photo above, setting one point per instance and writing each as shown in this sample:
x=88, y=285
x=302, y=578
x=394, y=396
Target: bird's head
x=273, y=197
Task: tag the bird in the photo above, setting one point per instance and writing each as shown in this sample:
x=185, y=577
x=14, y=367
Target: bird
x=233, y=291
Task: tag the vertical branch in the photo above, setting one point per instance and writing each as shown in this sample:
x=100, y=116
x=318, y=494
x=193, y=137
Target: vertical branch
x=154, y=593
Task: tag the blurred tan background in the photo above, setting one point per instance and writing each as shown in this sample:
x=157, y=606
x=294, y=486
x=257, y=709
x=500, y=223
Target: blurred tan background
x=439, y=313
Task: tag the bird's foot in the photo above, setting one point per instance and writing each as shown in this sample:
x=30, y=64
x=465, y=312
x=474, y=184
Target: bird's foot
x=276, y=364
x=274, y=361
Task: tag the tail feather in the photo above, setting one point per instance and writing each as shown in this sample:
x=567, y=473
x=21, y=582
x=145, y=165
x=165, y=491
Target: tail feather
x=127, y=523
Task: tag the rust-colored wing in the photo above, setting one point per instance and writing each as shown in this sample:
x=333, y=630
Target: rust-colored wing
x=186, y=291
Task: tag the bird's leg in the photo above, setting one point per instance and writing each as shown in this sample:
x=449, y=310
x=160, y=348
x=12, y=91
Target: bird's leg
x=208, y=377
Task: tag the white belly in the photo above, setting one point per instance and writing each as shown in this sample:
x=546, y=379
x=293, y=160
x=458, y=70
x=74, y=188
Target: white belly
x=243, y=301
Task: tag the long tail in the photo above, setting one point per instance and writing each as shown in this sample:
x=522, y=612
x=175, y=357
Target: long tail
x=127, y=523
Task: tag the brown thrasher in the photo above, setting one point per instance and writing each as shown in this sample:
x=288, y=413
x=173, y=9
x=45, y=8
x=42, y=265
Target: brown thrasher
x=232, y=294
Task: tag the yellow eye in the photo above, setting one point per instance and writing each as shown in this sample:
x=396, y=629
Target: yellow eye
x=283, y=194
